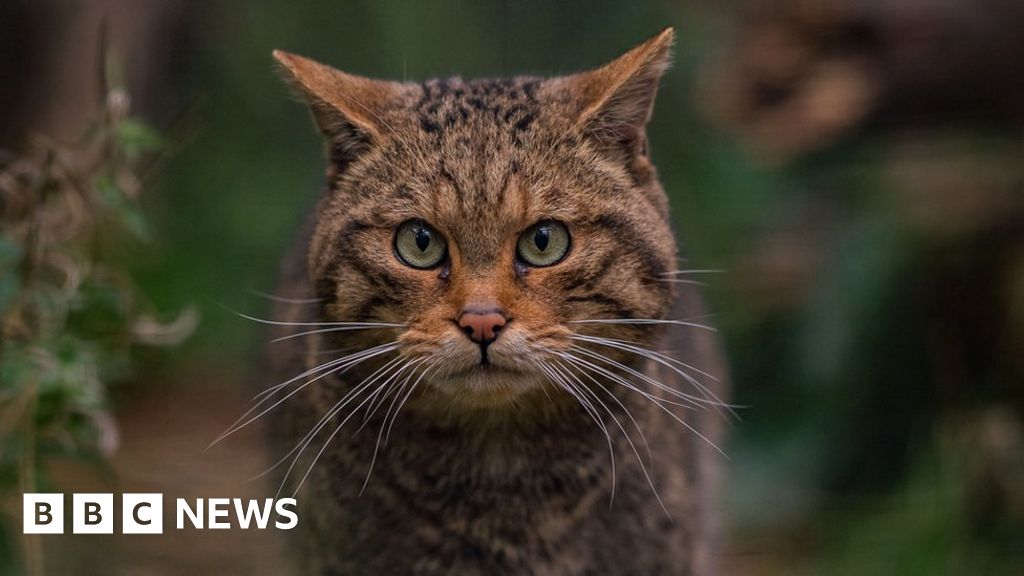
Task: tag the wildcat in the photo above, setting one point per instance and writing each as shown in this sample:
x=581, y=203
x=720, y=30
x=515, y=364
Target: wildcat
x=470, y=379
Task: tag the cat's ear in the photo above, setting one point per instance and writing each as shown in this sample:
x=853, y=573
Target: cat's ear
x=613, y=103
x=346, y=108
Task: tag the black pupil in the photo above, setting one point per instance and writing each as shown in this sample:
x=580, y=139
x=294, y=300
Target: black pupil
x=541, y=238
x=422, y=238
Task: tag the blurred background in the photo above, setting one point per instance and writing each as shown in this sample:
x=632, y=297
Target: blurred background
x=855, y=169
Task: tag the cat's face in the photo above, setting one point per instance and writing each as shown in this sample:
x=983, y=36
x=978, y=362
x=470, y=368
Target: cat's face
x=492, y=220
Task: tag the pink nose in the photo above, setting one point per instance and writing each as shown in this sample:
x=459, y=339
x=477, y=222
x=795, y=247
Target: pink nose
x=482, y=326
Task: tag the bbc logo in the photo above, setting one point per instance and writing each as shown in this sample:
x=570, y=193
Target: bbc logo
x=93, y=513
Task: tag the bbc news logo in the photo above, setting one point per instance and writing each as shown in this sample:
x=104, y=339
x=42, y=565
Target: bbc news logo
x=144, y=513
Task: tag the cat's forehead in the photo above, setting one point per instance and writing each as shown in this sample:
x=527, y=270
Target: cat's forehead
x=470, y=156
x=451, y=104
x=481, y=156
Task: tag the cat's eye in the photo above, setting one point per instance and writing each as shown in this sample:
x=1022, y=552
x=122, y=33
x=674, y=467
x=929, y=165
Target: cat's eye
x=544, y=244
x=419, y=245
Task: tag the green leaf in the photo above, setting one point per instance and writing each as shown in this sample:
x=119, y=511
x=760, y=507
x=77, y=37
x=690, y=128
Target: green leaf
x=125, y=213
x=135, y=138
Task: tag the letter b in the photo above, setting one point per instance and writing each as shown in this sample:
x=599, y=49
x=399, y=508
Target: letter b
x=93, y=514
x=43, y=513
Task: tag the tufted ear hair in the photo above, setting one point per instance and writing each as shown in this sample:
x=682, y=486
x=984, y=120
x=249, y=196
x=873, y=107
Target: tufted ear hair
x=613, y=103
x=346, y=108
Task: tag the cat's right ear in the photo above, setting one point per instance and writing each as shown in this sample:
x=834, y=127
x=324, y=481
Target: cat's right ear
x=613, y=103
x=347, y=108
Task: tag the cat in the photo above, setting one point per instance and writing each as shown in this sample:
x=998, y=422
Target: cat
x=469, y=381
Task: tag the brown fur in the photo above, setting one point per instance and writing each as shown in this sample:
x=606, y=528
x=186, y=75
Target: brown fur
x=495, y=469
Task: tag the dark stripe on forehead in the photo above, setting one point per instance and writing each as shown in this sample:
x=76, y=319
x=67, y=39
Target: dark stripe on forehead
x=460, y=195
x=448, y=103
x=402, y=191
x=513, y=170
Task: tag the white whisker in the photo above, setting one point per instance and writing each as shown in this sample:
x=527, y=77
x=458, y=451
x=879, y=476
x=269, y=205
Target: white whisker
x=582, y=364
x=673, y=364
x=349, y=327
x=429, y=369
x=695, y=401
x=282, y=323
x=376, y=404
x=355, y=355
x=335, y=433
x=338, y=407
x=284, y=300
x=629, y=385
x=236, y=427
x=373, y=459
x=591, y=411
x=312, y=432
x=694, y=271
x=647, y=446
x=629, y=440
x=684, y=281
x=642, y=321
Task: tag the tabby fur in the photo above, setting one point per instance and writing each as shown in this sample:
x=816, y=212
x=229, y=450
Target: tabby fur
x=494, y=469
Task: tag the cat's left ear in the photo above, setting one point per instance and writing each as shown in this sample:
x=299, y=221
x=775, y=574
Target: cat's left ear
x=613, y=103
x=346, y=108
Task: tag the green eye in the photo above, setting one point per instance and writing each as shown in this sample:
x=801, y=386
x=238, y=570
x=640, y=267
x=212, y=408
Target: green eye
x=418, y=245
x=543, y=244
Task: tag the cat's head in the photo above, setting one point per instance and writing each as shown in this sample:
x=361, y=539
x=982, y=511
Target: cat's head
x=495, y=220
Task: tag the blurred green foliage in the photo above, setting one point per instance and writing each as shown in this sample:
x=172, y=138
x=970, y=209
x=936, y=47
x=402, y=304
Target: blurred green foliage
x=70, y=315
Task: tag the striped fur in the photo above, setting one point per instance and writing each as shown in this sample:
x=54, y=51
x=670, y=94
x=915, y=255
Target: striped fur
x=492, y=470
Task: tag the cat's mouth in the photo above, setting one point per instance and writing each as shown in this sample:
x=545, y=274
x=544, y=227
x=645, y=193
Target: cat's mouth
x=489, y=376
x=487, y=368
x=488, y=385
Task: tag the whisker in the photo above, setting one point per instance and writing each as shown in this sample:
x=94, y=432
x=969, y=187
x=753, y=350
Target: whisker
x=312, y=432
x=694, y=271
x=338, y=407
x=577, y=361
x=684, y=281
x=696, y=402
x=631, y=386
x=647, y=446
x=669, y=362
x=236, y=427
x=629, y=440
x=591, y=411
x=353, y=356
x=376, y=404
x=643, y=321
x=595, y=415
x=333, y=434
x=331, y=351
x=282, y=323
x=284, y=300
x=373, y=459
x=351, y=326
x=429, y=369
